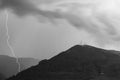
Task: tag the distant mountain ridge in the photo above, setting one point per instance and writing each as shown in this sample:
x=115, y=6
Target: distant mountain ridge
x=81, y=62
x=9, y=67
x=27, y=62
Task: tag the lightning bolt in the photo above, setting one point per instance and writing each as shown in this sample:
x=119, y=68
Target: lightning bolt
x=8, y=37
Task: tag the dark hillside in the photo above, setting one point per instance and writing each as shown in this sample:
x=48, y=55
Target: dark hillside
x=78, y=63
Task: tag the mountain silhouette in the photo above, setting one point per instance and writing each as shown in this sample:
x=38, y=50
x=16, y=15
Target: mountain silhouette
x=2, y=77
x=27, y=62
x=81, y=62
x=8, y=66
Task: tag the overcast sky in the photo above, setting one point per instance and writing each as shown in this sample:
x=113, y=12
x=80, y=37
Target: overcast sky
x=51, y=26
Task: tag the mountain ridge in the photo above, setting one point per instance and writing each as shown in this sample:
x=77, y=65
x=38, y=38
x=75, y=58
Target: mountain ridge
x=9, y=67
x=80, y=62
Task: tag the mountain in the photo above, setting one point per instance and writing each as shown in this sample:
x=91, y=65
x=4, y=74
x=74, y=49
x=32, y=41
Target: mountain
x=27, y=62
x=8, y=66
x=2, y=77
x=81, y=62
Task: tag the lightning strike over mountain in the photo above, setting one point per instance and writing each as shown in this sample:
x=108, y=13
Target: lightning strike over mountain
x=98, y=18
x=8, y=37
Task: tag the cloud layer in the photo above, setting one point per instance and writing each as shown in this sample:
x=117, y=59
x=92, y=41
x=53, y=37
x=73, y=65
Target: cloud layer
x=86, y=15
x=101, y=21
x=25, y=7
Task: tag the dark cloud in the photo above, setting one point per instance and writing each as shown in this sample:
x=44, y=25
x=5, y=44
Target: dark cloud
x=20, y=7
x=26, y=7
x=101, y=27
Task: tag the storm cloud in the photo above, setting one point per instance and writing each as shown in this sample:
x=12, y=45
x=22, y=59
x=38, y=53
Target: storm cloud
x=23, y=8
x=85, y=15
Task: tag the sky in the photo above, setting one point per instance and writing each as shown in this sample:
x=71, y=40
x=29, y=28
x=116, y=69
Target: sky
x=44, y=28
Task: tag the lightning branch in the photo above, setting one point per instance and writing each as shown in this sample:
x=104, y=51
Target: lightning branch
x=8, y=37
